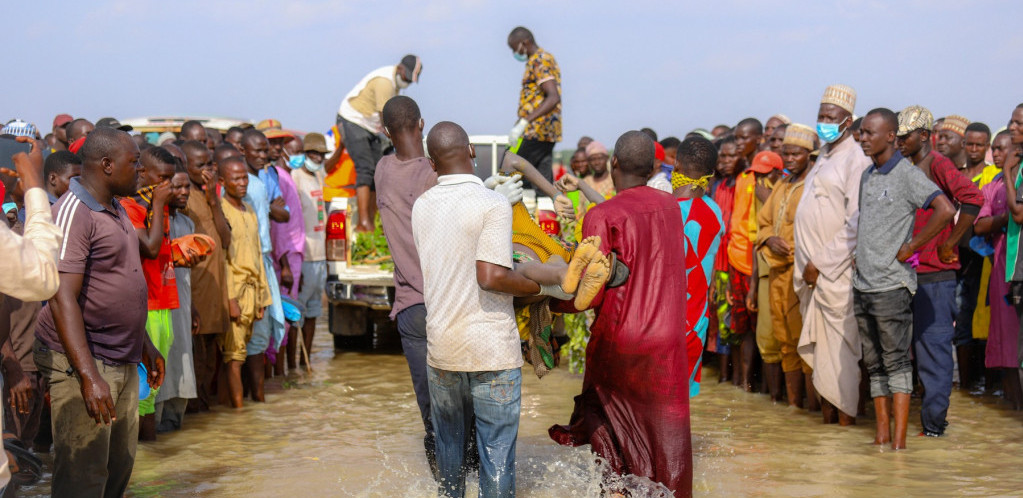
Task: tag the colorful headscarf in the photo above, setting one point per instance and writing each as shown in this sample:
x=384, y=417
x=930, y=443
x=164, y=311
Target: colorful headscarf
x=679, y=180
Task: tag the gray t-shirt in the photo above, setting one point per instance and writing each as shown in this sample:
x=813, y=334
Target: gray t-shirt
x=889, y=197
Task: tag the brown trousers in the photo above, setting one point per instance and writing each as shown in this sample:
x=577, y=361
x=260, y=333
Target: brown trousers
x=90, y=459
x=788, y=322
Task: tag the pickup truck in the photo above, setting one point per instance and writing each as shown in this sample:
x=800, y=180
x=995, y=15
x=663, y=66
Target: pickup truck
x=360, y=296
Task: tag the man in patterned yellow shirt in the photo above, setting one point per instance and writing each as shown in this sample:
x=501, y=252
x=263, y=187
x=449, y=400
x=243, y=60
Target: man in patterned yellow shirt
x=539, y=124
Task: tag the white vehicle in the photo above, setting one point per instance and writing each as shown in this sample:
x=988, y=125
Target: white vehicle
x=360, y=297
x=160, y=124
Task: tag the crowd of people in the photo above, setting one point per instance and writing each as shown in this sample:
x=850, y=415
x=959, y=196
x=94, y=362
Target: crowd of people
x=154, y=275
x=179, y=253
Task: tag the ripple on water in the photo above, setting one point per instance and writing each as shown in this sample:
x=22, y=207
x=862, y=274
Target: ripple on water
x=352, y=428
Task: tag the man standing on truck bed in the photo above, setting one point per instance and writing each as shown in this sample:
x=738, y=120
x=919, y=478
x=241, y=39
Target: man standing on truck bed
x=359, y=120
x=539, y=113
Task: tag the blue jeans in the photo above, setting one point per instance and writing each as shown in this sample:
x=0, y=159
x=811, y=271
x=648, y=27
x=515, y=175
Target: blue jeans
x=412, y=329
x=934, y=310
x=495, y=398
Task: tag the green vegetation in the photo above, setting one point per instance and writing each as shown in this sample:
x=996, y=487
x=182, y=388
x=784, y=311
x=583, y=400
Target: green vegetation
x=371, y=248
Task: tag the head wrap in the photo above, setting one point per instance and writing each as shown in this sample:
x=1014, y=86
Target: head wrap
x=914, y=118
x=840, y=95
x=679, y=180
x=595, y=148
x=800, y=135
x=955, y=123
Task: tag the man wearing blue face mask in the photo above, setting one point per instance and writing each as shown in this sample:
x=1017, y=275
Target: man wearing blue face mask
x=309, y=179
x=825, y=234
x=539, y=124
x=359, y=120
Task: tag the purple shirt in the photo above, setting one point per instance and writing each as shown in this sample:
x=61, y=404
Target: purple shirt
x=399, y=184
x=103, y=247
x=288, y=237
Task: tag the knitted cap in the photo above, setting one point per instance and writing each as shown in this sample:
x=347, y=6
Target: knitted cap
x=801, y=135
x=956, y=123
x=840, y=95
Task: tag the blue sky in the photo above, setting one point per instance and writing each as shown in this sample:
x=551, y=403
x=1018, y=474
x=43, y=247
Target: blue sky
x=672, y=66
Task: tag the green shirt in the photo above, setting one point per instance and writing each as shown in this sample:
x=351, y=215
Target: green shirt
x=1013, y=263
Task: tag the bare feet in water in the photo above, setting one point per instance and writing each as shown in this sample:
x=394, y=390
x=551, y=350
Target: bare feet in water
x=597, y=273
x=587, y=251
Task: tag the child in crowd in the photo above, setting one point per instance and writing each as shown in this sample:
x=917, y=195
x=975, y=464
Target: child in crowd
x=148, y=212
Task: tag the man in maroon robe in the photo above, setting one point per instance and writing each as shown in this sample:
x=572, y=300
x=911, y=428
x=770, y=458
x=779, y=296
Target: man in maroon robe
x=634, y=407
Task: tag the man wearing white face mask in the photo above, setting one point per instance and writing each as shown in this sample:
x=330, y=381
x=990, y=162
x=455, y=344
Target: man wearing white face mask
x=539, y=124
x=825, y=234
x=309, y=178
x=359, y=118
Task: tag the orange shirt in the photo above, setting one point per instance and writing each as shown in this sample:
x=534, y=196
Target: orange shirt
x=340, y=183
x=740, y=244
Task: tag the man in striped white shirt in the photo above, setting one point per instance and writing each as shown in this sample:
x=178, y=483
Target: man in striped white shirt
x=92, y=335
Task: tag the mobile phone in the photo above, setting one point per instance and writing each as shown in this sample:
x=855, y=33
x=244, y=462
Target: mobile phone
x=8, y=148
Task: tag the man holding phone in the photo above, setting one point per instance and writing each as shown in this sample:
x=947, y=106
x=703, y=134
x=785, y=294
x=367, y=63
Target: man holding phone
x=30, y=268
x=31, y=274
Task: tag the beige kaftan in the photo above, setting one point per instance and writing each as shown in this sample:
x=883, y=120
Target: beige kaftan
x=825, y=233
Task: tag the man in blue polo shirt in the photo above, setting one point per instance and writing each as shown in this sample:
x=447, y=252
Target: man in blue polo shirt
x=884, y=282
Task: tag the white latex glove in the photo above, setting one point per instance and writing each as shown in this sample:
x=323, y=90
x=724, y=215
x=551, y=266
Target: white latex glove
x=563, y=207
x=511, y=190
x=516, y=132
x=494, y=180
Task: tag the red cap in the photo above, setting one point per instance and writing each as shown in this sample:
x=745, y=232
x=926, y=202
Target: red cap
x=659, y=152
x=765, y=161
x=61, y=120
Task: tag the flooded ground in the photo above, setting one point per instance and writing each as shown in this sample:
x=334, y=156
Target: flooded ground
x=352, y=428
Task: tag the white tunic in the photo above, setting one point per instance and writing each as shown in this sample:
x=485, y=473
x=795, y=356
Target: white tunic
x=825, y=233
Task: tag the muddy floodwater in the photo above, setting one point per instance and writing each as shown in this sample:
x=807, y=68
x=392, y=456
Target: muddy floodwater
x=352, y=428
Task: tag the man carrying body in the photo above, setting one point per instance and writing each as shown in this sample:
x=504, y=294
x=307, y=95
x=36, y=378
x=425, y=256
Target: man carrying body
x=635, y=426
x=539, y=111
x=934, y=305
x=209, y=277
x=891, y=193
x=462, y=234
x=695, y=160
x=825, y=235
x=359, y=121
x=92, y=334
